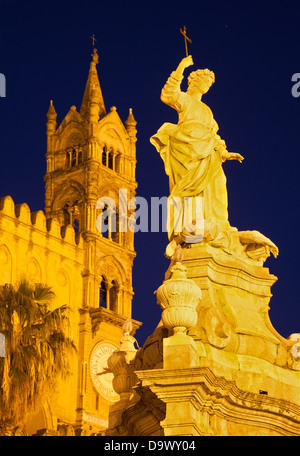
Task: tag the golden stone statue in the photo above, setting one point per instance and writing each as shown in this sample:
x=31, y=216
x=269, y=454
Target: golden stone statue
x=214, y=365
x=193, y=154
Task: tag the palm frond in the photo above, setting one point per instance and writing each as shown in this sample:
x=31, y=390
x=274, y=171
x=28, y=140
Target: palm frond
x=37, y=346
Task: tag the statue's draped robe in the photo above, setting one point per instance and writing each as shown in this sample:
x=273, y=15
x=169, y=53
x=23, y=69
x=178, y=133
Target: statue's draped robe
x=191, y=151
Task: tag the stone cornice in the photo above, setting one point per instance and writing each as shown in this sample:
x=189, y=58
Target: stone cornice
x=100, y=314
x=216, y=395
x=227, y=270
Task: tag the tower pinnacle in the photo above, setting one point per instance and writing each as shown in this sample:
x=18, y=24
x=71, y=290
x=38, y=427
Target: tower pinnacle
x=93, y=90
x=51, y=119
x=130, y=125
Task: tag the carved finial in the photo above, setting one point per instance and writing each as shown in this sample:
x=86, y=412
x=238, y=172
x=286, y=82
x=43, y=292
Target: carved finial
x=51, y=119
x=130, y=119
x=130, y=125
x=51, y=110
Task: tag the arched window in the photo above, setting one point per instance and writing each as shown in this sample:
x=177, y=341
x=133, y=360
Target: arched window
x=68, y=159
x=66, y=214
x=115, y=234
x=113, y=296
x=76, y=225
x=111, y=159
x=105, y=222
x=103, y=292
x=73, y=157
x=104, y=156
x=118, y=162
x=79, y=157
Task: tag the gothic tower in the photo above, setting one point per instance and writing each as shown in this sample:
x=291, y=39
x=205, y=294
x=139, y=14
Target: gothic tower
x=89, y=181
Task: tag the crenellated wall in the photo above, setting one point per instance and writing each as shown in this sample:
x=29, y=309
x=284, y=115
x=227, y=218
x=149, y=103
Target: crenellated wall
x=32, y=246
x=44, y=252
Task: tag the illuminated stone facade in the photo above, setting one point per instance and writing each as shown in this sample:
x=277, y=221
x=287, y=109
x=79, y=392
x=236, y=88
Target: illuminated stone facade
x=214, y=365
x=91, y=154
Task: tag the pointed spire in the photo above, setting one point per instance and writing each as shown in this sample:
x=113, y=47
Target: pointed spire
x=51, y=119
x=93, y=93
x=131, y=125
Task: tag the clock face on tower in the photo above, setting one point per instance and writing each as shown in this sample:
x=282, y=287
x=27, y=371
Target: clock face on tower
x=98, y=363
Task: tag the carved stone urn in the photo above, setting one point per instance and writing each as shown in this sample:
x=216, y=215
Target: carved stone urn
x=179, y=298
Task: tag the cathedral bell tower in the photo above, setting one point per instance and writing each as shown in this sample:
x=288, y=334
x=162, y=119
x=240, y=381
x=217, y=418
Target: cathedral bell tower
x=91, y=158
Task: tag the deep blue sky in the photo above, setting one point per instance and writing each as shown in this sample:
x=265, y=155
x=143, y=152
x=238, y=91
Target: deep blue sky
x=253, y=48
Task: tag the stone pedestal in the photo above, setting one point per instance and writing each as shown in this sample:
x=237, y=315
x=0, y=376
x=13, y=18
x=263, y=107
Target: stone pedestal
x=179, y=351
x=224, y=370
x=237, y=376
x=234, y=312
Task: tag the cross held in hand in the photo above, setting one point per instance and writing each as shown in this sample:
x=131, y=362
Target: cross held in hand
x=186, y=38
x=94, y=39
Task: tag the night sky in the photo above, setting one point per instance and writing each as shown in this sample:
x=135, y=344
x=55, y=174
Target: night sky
x=253, y=49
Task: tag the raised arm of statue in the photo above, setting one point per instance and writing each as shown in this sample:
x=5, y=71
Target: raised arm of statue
x=171, y=90
x=185, y=63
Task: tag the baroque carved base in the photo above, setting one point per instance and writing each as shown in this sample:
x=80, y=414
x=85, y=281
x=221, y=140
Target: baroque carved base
x=201, y=403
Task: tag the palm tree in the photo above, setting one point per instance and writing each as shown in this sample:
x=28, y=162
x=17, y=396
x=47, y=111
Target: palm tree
x=36, y=349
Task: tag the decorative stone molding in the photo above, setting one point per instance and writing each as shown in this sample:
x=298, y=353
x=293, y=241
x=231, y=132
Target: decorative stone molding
x=20, y=432
x=217, y=329
x=202, y=403
x=100, y=314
